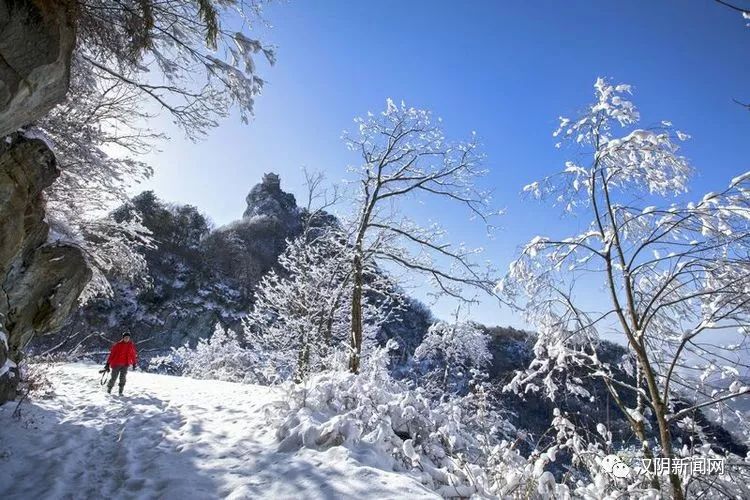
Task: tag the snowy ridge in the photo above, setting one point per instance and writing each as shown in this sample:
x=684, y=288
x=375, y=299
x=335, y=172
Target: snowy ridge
x=173, y=437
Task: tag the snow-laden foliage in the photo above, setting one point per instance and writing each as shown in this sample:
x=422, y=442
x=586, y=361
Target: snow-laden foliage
x=114, y=249
x=220, y=357
x=454, y=349
x=97, y=118
x=459, y=448
x=675, y=276
x=181, y=55
x=134, y=59
x=301, y=315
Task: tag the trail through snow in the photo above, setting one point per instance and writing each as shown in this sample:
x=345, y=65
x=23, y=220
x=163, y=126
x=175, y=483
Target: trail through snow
x=170, y=438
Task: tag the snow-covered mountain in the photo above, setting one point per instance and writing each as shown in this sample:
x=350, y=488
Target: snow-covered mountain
x=174, y=438
x=201, y=276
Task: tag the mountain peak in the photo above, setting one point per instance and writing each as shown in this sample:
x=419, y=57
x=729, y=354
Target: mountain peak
x=268, y=199
x=271, y=181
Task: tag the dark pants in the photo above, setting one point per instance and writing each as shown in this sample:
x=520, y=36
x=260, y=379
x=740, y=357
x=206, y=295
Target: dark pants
x=118, y=371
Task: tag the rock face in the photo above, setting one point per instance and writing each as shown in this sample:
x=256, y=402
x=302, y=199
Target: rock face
x=247, y=248
x=268, y=200
x=39, y=282
x=36, y=42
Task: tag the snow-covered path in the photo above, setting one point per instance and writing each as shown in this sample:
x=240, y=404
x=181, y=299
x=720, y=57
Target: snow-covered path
x=170, y=437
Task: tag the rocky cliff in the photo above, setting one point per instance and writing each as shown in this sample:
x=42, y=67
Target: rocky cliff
x=243, y=250
x=36, y=43
x=39, y=281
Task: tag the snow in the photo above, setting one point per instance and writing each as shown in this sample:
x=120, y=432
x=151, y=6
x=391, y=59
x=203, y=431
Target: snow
x=635, y=415
x=740, y=178
x=7, y=366
x=171, y=437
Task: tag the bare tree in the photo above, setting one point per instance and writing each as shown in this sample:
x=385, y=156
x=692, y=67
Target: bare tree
x=319, y=200
x=674, y=277
x=405, y=155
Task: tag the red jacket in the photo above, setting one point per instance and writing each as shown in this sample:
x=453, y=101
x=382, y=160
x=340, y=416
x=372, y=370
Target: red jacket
x=122, y=354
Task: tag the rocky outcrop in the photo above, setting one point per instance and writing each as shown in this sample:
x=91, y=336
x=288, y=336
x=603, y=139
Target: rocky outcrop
x=247, y=248
x=268, y=200
x=36, y=42
x=39, y=281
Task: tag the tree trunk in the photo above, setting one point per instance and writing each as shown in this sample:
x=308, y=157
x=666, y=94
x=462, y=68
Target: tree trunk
x=665, y=438
x=303, y=363
x=666, y=444
x=640, y=428
x=356, y=337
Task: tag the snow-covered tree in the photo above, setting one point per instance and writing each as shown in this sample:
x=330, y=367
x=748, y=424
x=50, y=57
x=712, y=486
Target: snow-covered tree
x=405, y=155
x=114, y=249
x=298, y=315
x=675, y=277
x=301, y=313
x=193, y=59
x=458, y=347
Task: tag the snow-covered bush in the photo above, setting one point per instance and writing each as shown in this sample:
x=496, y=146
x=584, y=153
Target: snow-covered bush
x=165, y=365
x=35, y=380
x=220, y=357
x=453, y=350
x=458, y=448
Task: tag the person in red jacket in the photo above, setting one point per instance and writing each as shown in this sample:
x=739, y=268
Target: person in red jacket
x=122, y=355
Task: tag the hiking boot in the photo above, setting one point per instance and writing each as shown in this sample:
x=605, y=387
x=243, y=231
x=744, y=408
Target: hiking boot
x=120, y=391
x=109, y=390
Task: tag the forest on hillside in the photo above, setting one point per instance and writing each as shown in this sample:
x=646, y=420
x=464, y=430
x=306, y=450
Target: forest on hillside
x=347, y=304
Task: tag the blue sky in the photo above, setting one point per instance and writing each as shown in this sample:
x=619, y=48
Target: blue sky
x=504, y=69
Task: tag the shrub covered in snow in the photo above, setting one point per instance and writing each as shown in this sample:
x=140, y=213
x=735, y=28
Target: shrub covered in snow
x=301, y=320
x=459, y=448
x=452, y=351
x=219, y=357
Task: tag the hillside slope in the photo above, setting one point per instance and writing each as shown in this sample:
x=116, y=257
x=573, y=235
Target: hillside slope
x=172, y=437
x=200, y=277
